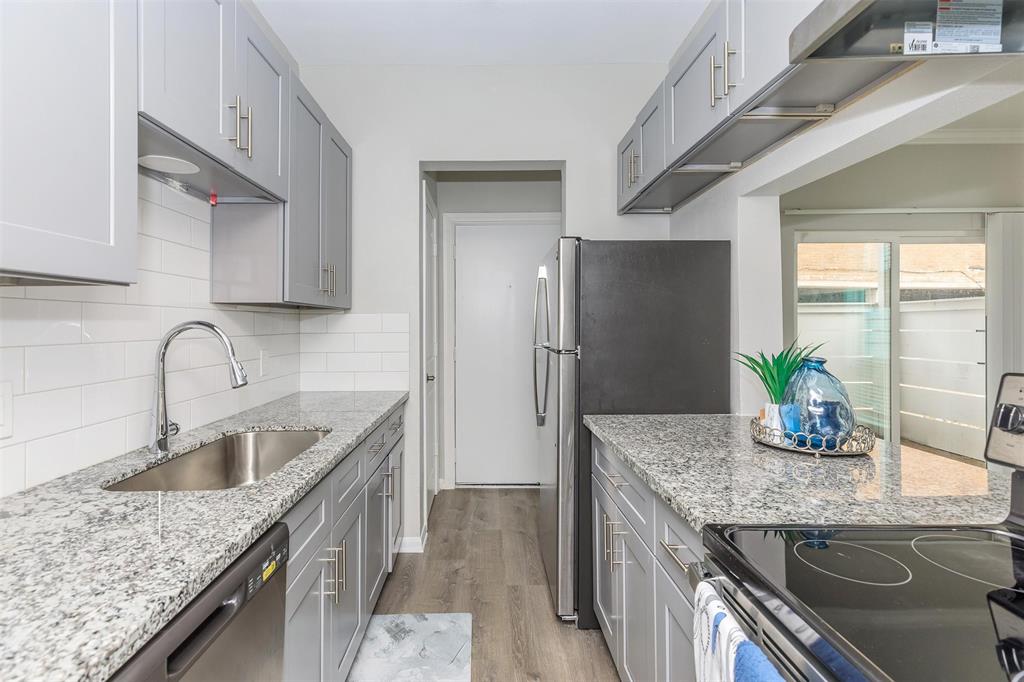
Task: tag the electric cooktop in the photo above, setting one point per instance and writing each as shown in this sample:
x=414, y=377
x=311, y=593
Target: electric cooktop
x=905, y=603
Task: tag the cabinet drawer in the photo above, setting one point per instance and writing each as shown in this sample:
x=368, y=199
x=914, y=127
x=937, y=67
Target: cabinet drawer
x=308, y=526
x=631, y=495
x=383, y=439
x=677, y=545
x=345, y=483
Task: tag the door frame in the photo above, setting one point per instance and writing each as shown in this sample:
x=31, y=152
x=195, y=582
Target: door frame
x=447, y=341
x=875, y=226
x=427, y=199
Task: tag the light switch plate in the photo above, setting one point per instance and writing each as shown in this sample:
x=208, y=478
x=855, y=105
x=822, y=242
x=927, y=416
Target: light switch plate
x=6, y=409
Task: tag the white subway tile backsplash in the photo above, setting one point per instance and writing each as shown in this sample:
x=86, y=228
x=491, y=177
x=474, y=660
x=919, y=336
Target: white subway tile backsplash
x=27, y=322
x=381, y=343
x=104, y=322
x=353, y=362
x=49, y=367
x=12, y=469
x=395, y=322
x=12, y=368
x=184, y=260
x=394, y=362
x=37, y=415
x=113, y=399
x=353, y=322
x=327, y=343
x=81, y=358
x=55, y=456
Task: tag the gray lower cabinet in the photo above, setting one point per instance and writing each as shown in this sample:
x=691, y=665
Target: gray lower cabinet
x=673, y=631
x=338, y=538
x=349, y=615
x=69, y=128
x=395, y=461
x=308, y=618
x=645, y=614
x=187, y=70
x=378, y=547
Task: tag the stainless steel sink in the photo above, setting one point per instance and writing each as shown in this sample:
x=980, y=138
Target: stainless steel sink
x=228, y=462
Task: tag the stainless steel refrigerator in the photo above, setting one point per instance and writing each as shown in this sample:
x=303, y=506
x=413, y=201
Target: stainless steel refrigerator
x=620, y=327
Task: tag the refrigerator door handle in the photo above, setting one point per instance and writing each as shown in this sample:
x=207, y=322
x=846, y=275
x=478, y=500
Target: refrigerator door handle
x=541, y=408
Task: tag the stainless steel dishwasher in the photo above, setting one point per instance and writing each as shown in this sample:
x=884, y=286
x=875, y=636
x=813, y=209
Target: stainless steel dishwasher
x=234, y=629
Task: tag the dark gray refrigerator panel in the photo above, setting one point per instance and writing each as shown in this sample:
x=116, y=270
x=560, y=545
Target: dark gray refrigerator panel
x=654, y=336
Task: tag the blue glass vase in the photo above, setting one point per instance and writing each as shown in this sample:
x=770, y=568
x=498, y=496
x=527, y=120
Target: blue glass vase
x=826, y=413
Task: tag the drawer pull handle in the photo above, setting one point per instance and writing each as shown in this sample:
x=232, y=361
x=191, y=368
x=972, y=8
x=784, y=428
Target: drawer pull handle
x=606, y=543
x=693, y=571
x=613, y=563
x=339, y=584
x=616, y=485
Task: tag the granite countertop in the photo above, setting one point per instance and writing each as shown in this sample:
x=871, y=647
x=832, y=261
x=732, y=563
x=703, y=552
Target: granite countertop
x=89, y=576
x=707, y=468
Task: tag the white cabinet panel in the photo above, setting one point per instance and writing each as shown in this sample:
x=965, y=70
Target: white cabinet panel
x=187, y=70
x=633, y=567
x=307, y=620
x=673, y=632
x=69, y=88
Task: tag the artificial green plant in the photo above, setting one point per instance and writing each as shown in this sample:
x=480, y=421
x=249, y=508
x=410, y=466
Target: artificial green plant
x=775, y=372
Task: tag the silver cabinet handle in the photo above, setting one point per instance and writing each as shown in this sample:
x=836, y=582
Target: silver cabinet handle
x=613, y=563
x=325, y=269
x=714, y=93
x=377, y=447
x=248, y=124
x=692, y=571
x=614, y=484
x=334, y=281
x=388, y=492
x=726, y=53
x=629, y=171
x=237, y=106
x=605, y=517
x=333, y=560
x=343, y=552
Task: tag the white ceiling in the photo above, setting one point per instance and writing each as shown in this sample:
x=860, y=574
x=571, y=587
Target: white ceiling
x=471, y=32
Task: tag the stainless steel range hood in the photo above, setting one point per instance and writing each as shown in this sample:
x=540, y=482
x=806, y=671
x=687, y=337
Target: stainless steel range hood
x=841, y=51
x=880, y=29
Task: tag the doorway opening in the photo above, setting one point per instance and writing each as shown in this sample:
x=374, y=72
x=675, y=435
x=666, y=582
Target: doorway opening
x=486, y=228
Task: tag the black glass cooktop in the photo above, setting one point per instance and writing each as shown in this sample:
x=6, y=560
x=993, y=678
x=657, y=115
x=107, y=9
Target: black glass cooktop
x=917, y=603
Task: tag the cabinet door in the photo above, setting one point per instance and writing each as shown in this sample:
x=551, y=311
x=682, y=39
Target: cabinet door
x=693, y=88
x=69, y=140
x=376, y=534
x=758, y=33
x=308, y=617
x=628, y=156
x=395, y=513
x=673, y=632
x=187, y=70
x=337, y=217
x=605, y=519
x=305, y=274
x=347, y=614
x=650, y=126
x=633, y=567
x=263, y=77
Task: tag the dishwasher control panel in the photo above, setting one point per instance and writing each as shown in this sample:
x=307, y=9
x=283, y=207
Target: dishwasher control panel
x=274, y=561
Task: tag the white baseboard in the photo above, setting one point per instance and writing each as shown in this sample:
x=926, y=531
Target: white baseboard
x=414, y=544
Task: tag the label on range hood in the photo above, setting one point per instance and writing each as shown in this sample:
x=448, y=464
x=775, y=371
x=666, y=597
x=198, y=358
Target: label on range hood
x=968, y=26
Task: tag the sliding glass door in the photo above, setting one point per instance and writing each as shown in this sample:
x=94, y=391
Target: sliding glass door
x=902, y=319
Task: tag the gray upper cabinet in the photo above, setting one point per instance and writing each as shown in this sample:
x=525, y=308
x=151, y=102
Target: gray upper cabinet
x=69, y=126
x=187, y=78
x=260, y=121
x=306, y=276
x=628, y=154
x=337, y=218
x=694, y=88
x=650, y=125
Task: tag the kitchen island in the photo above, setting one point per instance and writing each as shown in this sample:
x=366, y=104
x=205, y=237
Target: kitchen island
x=708, y=470
x=91, y=575
x=658, y=481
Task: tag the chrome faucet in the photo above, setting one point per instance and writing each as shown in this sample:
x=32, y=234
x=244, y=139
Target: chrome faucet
x=162, y=426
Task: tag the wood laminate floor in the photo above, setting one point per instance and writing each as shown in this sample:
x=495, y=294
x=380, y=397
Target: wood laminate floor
x=482, y=558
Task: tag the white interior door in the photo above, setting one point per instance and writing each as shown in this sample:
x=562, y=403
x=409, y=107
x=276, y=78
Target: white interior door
x=496, y=434
x=430, y=364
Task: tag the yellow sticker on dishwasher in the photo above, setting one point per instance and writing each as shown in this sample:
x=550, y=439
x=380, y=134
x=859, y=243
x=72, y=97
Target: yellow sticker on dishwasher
x=269, y=570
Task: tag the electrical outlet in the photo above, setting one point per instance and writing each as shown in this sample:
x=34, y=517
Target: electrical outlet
x=264, y=359
x=6, y=409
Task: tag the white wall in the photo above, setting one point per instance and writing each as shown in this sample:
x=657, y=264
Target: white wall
x=397, y=116
x=81, y=358
x=745, y=207
x=924, y=176
x=511, y=196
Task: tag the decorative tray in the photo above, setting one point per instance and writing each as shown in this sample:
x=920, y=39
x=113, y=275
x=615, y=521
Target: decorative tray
x=861, y=442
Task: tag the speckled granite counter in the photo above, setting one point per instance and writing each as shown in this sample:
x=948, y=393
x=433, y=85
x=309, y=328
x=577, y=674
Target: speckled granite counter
x=89, y=576
x=707, y=468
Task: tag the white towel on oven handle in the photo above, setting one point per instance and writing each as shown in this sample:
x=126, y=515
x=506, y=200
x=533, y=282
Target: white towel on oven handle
x=716, y=636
